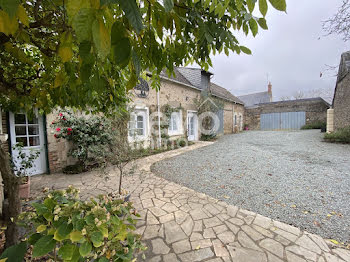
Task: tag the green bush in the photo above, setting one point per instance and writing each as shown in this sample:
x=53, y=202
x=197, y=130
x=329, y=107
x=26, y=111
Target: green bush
x=208, y=137
x=91, y=137
x=340, y=136
x=64, y=228
x=315, y=125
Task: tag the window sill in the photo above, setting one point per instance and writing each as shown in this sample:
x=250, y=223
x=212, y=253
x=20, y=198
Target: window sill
x=178, y=133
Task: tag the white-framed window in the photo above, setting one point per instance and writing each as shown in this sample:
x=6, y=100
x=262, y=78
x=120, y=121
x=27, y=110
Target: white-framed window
x=175, y=123
x=138, y=124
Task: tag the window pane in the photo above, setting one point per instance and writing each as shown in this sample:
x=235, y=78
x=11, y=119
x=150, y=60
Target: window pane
x=20, y=130
x=34, y=141
x=140, y=118
x=22, y=140
x=33, y=130
x=32, y=120
x=175, y=123
x=139, y=132
x=20, y=119
x=140, y=124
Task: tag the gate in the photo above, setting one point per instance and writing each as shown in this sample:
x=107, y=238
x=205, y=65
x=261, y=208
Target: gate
x=282, y=121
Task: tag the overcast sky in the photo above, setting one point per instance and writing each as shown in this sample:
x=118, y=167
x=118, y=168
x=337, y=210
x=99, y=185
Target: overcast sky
x=292, y=52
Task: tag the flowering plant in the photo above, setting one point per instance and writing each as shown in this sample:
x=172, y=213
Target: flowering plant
x=91, y=136
x=68, y=229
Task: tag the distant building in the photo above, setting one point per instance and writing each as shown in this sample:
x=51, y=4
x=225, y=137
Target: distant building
x=255, y=99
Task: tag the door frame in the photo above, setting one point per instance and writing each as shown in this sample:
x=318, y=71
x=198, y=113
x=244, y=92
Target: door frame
x=42, y=136
x=195, y=113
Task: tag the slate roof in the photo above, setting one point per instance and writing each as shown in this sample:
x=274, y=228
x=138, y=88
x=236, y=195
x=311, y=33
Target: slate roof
x=193, y=77
x=223, y=93
x=255, y=99
x=298, y=100
x=178, y=76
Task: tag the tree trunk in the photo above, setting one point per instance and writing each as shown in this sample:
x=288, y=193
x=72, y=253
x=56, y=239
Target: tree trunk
x=13, y=208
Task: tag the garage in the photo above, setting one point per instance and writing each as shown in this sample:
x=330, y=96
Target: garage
x=286, y=115
x=282, y=121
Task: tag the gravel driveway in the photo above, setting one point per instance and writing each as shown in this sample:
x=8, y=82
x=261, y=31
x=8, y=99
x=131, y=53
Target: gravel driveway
x=293, y=177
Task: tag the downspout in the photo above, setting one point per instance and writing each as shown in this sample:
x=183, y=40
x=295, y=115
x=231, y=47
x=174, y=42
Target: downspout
x=159, y=134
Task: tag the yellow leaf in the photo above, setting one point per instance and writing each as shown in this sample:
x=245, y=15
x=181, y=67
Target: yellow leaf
x=8, y=25
x=22, y=15
x=41, y=228
x=66, y=53
x=58, y=237
x=59, y=80
x=334, y=241
x=65, y=50
x=104, y=231
x=3, y=260
x=293, y=206
x=227, y=197
x=76, y=236
x=73, y=7
x=101, y=37
x=329, y=215
x=198, y=247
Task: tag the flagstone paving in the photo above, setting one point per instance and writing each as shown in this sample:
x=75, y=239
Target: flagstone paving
x=180, y=224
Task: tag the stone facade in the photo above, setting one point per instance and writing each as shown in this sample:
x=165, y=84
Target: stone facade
x=341, y=103
x=172, y=92
x=232, y=111
x=315, y=108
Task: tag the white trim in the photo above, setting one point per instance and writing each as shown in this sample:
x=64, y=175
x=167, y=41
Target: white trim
x=145, y=136
x=196, y=124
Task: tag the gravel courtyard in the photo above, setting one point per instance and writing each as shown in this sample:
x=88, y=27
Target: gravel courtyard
x=292, y=177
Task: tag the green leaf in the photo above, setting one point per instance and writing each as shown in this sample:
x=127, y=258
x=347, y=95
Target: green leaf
x=65, y=229
x=84, y=49
x=10, y=6
x=263, y=7
x=245, y=50
x=66, y=251
x=97, y=238
x=85, y=248
x=33, y=238
x=279, y=4
x=101, y=37
x=103, y=259
x=76, y=236
x=133, y=14
x=121, y=45
x=40, y=208
x=15, y=253
x=251, y=5
x=168, y=5
x=262, y=23
x=49, y=203
x=253, y=26
x=73, y=7
x=43, y=246
x=41, y=228
x=82, y=24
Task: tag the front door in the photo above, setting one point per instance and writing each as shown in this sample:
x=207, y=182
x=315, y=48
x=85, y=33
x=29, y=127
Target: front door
x=192, y=126
x=29, y=131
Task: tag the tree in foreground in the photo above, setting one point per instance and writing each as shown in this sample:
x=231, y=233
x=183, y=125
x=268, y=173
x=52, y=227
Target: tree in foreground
x=87, y=54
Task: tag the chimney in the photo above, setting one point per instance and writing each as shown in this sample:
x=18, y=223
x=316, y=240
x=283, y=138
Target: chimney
x=269, y=90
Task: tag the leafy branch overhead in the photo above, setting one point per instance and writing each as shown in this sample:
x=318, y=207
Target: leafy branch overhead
x=89, y=53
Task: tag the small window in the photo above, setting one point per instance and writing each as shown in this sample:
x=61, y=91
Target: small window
x=137, y=124
x=235, y=120
x=175, y=123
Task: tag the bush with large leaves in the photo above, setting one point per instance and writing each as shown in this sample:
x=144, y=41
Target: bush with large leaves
x=68, y=229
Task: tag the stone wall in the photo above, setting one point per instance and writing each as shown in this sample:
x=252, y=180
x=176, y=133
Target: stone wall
x=341, y=103
x=316, y=110
x=230, y=110
x=57, y=148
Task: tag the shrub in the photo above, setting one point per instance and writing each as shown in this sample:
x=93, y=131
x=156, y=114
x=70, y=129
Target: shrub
x=315, y=125
x=98, y=230
x=208, y=137
x=340, y=136
x=91, y=136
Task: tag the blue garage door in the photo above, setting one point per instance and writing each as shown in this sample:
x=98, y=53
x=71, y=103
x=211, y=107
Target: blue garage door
x=282, y=121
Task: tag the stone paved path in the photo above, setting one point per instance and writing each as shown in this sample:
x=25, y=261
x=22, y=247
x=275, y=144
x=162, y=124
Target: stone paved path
x=180, y=224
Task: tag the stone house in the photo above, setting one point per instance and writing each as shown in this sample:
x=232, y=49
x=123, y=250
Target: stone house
x=255, y=99
x=179, y=91
x=341, y=99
